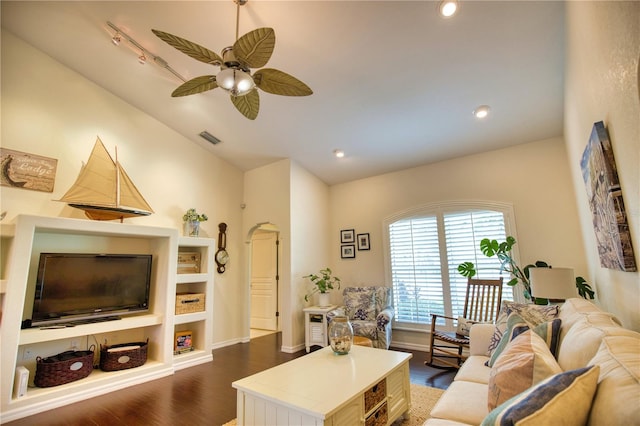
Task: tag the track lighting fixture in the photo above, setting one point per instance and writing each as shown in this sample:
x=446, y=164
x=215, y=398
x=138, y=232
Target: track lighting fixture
x=144, y=53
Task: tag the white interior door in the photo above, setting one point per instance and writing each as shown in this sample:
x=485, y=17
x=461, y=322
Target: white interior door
x=264, y=286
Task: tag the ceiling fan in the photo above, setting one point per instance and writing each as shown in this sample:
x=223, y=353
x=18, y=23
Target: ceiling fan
x=252, y=50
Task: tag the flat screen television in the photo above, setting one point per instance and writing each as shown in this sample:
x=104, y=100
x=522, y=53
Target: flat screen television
x=78, y=287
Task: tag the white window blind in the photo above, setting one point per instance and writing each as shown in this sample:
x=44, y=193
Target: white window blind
x=425, y=252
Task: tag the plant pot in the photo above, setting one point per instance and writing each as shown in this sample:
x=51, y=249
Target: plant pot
x=192, y=228
x=324, y=299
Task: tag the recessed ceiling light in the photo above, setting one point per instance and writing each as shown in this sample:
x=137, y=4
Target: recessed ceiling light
x=448, y=8
x=338, y=153
x=482, y=111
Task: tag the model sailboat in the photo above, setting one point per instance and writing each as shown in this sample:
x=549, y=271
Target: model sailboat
x=104, y=191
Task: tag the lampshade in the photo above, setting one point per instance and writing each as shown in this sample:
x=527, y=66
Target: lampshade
x=552, y=283
x=234, y=81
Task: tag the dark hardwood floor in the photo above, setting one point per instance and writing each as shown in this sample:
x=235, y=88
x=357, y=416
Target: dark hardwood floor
x=200, y=395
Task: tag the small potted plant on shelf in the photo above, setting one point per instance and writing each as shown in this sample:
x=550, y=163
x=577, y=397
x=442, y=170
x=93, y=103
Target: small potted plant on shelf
x=192, y=221
x=323, y=282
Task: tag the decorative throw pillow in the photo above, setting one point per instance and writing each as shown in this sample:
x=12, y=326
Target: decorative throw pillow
x=532, y=314
x=464, y=326
x=549, y=331
x=525, y=362
x=515, y=326
x=565, y=396
x=360, y=303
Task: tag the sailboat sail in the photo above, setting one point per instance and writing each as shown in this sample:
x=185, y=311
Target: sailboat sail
x=104, y=190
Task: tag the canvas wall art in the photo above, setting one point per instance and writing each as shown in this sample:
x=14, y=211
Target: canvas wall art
x=27, y=171
x=605, y=199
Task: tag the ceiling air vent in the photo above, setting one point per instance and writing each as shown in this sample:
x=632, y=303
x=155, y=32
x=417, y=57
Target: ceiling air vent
x=208, y=136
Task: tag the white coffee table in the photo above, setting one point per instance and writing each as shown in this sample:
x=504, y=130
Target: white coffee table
x=367, y=385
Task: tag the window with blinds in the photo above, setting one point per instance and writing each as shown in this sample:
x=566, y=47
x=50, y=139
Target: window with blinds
x=425, y=251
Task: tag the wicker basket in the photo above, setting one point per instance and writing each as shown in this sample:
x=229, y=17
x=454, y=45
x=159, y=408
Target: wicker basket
x=375, y=394
x=63, y=368
x=188, y=303
x=123, y=356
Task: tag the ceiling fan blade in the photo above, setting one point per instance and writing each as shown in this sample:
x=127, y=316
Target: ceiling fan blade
x=280, y=83
x=192, y=49
x=255, y=47
x=248, y=105
x=196, y=85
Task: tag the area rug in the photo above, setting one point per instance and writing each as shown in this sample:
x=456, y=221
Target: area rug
x=423, y=398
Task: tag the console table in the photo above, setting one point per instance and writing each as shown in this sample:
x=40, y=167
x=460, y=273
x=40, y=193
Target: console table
x=367, y=386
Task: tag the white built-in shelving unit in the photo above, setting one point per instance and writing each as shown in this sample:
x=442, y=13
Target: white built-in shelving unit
x=199, y=323
x=27, y=237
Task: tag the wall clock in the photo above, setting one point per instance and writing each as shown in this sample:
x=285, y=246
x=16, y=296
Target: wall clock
x=222, y=257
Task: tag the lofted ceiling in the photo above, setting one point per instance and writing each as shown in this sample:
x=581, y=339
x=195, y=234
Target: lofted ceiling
x=394, y=83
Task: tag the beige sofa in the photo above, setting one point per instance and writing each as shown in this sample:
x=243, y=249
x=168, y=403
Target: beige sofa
x=588, y=336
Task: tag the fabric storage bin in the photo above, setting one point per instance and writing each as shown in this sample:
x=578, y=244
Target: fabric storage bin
x=64, y=367
x=123, y=356
x=187, y=303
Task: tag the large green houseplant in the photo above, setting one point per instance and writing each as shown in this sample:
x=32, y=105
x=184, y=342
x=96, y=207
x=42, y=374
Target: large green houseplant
x=322, y=282
x=502, y=250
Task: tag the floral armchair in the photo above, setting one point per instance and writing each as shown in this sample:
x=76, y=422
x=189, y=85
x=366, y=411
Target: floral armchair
x=370, y=312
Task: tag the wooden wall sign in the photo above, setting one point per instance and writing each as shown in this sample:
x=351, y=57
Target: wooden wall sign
x=27, y=171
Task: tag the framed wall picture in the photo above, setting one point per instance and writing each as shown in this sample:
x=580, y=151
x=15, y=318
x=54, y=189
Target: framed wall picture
x=348, y=251
x=183, y=342
x=604, y=193
x=347, y=236
x=363, y=242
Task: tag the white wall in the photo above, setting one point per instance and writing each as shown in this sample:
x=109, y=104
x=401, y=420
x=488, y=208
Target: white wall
x=288, y=196
x=603, y=43
x=51, y=111
x=310, y=234
x=267, y=197
x=534, y=177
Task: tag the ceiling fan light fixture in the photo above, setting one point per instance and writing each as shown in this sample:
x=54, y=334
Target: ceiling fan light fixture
x=338, y=153
x=235, y=81
x=448, y=8
x=116, y=39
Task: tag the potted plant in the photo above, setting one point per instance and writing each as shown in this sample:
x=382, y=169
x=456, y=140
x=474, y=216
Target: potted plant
x=503, y=251
x=192, y=221
x=323, y=282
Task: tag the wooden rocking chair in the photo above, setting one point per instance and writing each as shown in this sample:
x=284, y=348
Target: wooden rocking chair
x=482, y=304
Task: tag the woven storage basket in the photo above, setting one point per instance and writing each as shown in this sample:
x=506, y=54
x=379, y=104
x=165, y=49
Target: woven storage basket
x=124, y=358
x=63, y=368
x=187, y=303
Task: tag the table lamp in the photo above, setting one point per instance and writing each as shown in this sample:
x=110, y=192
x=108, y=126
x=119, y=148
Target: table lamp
x=552, y=283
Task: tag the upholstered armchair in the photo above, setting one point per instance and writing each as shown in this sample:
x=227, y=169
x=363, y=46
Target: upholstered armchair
x=370, y=312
